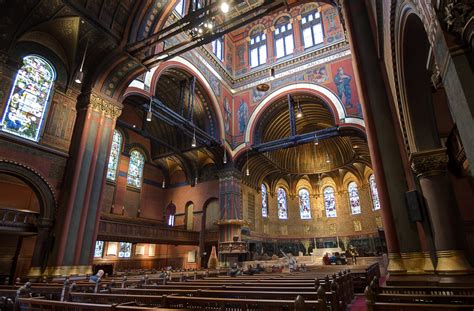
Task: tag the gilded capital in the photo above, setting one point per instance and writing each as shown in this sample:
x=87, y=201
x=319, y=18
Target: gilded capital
x=99, y=104
x=428, y=163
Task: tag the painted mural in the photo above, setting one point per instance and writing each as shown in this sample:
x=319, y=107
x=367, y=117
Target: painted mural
x=344, y=86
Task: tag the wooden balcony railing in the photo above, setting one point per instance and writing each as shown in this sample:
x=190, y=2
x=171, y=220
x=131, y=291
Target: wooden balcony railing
x=135, y=230
x=17, y=220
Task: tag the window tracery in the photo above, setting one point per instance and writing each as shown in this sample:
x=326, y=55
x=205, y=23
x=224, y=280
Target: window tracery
x=135, y=169
x=354, y=200
x=312, y=29
x=258, y=49
x=114, y=156
x=374, y=193
x=305, y=204
x=282, y=204
x=329, y=202
x=264, y=201
x=29, y=98
x=284, y=44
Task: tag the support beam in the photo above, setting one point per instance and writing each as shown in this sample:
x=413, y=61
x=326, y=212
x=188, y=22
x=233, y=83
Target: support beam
x=300, y=139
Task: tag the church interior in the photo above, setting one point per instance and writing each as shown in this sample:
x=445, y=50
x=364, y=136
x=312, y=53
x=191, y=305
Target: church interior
x=237, y=155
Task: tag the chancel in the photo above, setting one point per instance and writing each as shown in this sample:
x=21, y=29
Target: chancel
x=237, y=155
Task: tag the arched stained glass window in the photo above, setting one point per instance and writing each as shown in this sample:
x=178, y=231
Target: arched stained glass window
x=374, y=192
x=305, y=205
x=284, y=44
x=354, y=200
x=282, y=204
x=29, y=98
x=114, y=156
x=135, y=169
x=264, y=201
x=329, y=202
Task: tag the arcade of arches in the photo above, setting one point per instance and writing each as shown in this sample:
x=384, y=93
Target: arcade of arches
x=293, y=126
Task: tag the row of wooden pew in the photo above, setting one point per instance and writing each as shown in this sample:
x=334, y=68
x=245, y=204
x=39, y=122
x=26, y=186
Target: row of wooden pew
x=430, y=298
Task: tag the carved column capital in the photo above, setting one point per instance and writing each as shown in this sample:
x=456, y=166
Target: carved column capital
x=456, y=16
x=428, y=163
x=101, y=104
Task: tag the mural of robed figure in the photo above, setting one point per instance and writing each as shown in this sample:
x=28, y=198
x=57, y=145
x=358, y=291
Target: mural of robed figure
x=342, y=82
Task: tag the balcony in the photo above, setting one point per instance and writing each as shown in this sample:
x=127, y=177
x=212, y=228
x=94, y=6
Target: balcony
x=137, y=230
x=17, y=220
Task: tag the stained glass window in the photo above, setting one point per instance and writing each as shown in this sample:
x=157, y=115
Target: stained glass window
x=329, y=202
x=114, y=155
x=125, y=250
x=305, y=205
x=374, y=193
x=264, y=201
x=312, y=28
x=135, y=169
x=282, y=204
x=99, y=249
x=354, y=200
x=29, y=98
x=171, y=220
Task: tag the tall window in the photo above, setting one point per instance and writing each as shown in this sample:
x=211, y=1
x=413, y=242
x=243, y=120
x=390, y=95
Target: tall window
x=264, y=201
x=135, y=169
x=99, y=249
x=114, y=155
x=218, y=48
x=125, y=250
x=284, y=44
x=29, y=98
x=374, y=192
x=312, y=28
x=282, y=204
x=329, y=202
x=354, y=200
x=170, y=214
x=179, y=8
x=258, y=49
x=305, y=206
x=171, y=220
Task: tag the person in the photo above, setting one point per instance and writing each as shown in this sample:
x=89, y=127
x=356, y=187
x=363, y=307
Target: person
x=326, y=259
x=97, y=277
x=343, y=86
x=250, y=270
x=234, y=270
x=292, y=264
x=353, y=254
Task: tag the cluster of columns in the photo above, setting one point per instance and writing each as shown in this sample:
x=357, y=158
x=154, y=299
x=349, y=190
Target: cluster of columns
x=407, y=243
x=78, y=219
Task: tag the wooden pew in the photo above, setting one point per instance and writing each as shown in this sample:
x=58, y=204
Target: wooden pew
x=418, y=298
x=203, y=303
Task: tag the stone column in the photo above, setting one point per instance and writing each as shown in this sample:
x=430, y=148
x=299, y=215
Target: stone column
x=83, y=186
x=385, y=152
x=431, y=169
x=230, y=222
x=8, y=70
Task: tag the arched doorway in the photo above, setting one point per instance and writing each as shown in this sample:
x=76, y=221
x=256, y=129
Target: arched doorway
x=27, y=207
x=209, y=229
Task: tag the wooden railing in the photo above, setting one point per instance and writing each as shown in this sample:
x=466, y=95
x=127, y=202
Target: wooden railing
x=119, y=228
x=17, y=220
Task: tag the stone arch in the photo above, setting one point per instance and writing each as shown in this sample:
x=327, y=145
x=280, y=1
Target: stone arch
x=40, y=186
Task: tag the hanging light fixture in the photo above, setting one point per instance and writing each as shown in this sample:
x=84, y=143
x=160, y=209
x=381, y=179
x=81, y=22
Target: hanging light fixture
x=225, y=157
x=299, y=111
x=328, y=160
x=195, y=180
x=193, y=141
x=80, y=74
x=225, y=7
x=163, y=184
x=149, y=114
x=316, y=140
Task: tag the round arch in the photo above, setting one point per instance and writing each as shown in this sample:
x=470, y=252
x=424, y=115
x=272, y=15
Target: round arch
x=39, y=185
x=331, y=99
